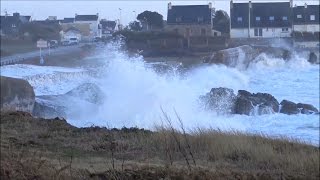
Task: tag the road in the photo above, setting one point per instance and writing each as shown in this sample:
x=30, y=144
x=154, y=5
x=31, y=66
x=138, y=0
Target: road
x=23, y=56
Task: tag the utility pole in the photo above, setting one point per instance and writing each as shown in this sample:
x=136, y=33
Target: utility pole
x=120, y=26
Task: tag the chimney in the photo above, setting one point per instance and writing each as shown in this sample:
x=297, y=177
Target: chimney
x=291, y=3
x=250, y=5
x=169, y=5
x=98, y=14
x=16, y=14
x=210, y=5
x=76, y=15
x=231, y=4
x=305, y=5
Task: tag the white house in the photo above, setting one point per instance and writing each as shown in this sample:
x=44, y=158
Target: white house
x=93, y=21
x=260, y=20
x=306, y=18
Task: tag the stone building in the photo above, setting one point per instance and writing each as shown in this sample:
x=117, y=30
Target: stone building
x=191, y=20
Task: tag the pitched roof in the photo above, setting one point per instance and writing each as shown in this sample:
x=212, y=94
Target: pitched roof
x=67, y=20
x=86, y=18
x=190, y=14
x=72, y=29
x=302, y=15
x=275, y=14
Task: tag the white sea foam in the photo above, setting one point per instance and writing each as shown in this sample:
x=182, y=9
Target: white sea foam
x=135, y=93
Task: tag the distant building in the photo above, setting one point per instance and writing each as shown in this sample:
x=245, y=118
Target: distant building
x=71, y=32
x=93, y=21
x=67, y=21
x=107, y=27
x=260, y=20
x=10, y=25
x=306, y=18
x=191, y=20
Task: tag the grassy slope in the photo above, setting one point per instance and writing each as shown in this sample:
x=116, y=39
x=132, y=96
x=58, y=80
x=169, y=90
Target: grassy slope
x=37, y=148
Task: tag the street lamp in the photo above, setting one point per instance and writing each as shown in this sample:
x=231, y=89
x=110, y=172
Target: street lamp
x=120, y=17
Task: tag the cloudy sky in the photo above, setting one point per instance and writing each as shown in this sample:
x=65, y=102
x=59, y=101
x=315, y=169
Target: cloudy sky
x=40, y=10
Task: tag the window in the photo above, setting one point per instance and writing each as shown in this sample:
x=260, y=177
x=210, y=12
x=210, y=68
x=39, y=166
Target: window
x=200, y=19
x=215, y=34
x=178, y=19
x=312, y=17
x=13, y=25
x=285, y=29
x=271, y=18
x=299, y=16
x=257, y=18
x=284, y=18
x=255, y=32
x=203, y=32
x=239, y=19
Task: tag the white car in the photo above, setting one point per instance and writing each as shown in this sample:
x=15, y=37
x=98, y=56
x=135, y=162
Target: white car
x=73, y=41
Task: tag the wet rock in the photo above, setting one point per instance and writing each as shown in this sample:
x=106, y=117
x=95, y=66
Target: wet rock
x=16, y=95
x=257, y=104
x=307, y=108
x=313, y=59
x=220, y=100
x=46, y=111
x=289, y=107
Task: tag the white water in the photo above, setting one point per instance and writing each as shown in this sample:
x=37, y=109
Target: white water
x=135, y=93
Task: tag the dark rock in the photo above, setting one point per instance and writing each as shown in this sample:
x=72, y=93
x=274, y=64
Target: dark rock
x=16, y=95
x=313, y=59
x=289, y=107
x=307, y=108
x=46, y=111
x=243, y=106
x=263, y=102
x=220, y=99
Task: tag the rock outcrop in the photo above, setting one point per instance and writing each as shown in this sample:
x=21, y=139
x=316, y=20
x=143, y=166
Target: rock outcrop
x=224, y=101
x=259, y=103
x=289, y=107
x=16, y=95
x=220, y=99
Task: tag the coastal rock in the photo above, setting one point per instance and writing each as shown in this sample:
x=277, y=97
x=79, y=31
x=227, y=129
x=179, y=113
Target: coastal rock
x=255, y=104
x=16, y=95
x=313, y=59
x=289, y=107
x=220, y=99
x=307, y=108
x=45, y=111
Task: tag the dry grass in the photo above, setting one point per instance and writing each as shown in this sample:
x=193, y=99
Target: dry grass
x=37, y=149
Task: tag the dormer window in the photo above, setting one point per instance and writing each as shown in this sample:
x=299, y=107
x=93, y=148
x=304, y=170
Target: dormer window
x=258, y=18
x=239, y=19
x=271, y=18
x=299, y=16
x=200, y=19
x=178, y=19
x=312, y=17
x=284, y=18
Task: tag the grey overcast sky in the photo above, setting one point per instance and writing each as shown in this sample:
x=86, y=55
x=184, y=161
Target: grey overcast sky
x=40, y=10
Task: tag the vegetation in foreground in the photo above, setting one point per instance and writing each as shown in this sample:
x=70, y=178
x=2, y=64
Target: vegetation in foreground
x=34, y=148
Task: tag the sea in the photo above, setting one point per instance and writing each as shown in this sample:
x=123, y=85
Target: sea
x=137, y=93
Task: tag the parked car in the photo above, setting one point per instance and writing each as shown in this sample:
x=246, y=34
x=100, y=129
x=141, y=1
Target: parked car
x=65, y=43
x=53, y=43
x=73, y=41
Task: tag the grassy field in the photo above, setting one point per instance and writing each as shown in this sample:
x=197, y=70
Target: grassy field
x=52, y=149
x=16, y=46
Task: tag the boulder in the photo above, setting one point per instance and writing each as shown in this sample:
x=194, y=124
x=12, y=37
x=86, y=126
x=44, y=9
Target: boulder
x=45, y=111
x=16, y=95
x=257, y=104
x=307, y=108
x=220, y=100
x=289, y=107
x=313, y=59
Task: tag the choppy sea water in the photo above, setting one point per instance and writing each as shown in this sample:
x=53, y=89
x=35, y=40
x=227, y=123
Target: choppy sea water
x=136, y=92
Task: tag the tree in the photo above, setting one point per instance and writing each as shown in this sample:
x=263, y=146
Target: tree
x=152, y=19
x=135, y=26
x=221, y=21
